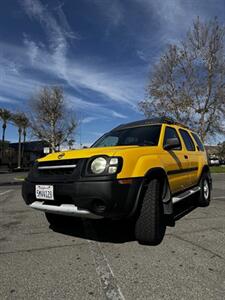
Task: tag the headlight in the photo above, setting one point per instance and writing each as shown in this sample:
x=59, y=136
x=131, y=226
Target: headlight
x=103, y=165
x=98, y=165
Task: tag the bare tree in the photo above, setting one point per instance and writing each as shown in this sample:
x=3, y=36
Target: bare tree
x=50, y=121
x=221, y=150
x=70, y=143
x=188, y=83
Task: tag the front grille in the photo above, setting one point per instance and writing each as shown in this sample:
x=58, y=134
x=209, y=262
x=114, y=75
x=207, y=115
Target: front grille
x=58, y=167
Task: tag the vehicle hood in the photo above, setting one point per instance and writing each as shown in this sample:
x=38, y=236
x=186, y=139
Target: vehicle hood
x=86, y=153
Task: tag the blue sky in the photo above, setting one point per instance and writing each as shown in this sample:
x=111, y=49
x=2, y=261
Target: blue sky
x=100, y=51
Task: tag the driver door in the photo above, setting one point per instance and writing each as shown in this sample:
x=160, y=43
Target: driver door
x=176, y=162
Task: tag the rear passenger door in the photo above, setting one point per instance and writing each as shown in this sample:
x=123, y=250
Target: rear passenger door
x=176, y=163
x=191, y=154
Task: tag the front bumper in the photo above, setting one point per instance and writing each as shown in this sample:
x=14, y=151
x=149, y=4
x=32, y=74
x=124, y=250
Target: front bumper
x=64, y=209
x=90, y=199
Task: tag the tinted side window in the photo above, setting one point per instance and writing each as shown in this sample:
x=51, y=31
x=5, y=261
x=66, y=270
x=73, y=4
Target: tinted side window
x=187, y=140
x=171, y=133
x=198, y=141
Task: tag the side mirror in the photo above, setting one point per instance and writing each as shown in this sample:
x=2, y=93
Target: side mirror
x=171, y=144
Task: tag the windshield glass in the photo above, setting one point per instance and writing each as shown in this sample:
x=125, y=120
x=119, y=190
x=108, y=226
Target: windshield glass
x=141, y=136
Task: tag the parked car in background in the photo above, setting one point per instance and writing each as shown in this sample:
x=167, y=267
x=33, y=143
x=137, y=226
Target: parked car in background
x=222, y=161
x=214, y=161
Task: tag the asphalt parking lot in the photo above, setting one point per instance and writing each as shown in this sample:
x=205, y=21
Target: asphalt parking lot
x=101, y=260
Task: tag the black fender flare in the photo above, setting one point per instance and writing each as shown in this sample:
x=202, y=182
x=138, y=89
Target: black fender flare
x=160, y=174
x=206, y=169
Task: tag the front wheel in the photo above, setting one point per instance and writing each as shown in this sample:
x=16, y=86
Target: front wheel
x=150, y=226
x=204, y=196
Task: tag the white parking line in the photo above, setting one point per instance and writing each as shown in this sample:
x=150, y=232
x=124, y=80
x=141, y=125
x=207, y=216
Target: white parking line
x=3, y=193
x=107, y=278
x=222, y=197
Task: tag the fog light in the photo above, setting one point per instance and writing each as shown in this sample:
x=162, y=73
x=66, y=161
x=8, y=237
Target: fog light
x=114, y=161
x=112, y=170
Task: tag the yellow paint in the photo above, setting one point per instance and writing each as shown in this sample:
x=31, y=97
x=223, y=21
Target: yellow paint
x=138, y=160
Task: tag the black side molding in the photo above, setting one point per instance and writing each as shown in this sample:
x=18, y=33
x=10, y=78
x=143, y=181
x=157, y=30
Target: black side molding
x=178, y=171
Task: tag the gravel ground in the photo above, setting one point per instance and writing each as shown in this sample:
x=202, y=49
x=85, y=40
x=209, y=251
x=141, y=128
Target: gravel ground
x=99, y=259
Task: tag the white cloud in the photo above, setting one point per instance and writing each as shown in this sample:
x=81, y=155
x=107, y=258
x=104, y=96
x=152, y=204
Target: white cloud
x=19, y=86
x=113, y=11
x=58, y=31
x=111, y=85
x=88, y=120
x=141, y=54
x=121, y=86
x=174, y=17
x=33, y=49
x=77, y=103
x=97, y=111
x=118, y=115
x=33, y=8
x=7, y=100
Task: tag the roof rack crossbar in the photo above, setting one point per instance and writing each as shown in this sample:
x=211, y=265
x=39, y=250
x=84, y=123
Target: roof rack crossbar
x=159, y=120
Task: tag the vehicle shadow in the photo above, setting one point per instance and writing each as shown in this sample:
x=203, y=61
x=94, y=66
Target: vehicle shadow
x=103, y=230
x=112, y=231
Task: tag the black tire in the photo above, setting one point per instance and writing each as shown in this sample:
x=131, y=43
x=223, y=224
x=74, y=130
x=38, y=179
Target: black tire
x=56, y=220
x=150, y=226
x=204, y=195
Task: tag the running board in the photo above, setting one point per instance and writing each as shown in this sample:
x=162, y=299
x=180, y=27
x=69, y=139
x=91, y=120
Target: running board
x=185, y=194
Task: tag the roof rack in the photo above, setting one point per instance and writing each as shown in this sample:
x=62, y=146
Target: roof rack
x=159, y=120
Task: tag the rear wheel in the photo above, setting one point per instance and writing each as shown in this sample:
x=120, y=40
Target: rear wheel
x=150, y=225
x=204, y=196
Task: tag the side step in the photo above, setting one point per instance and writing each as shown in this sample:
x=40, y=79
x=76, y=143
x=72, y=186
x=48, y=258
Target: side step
x=185, y=194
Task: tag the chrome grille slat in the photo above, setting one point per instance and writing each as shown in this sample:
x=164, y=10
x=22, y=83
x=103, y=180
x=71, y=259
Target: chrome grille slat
x=56, y=167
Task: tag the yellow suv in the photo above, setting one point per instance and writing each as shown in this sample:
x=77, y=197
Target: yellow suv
x=138, y=171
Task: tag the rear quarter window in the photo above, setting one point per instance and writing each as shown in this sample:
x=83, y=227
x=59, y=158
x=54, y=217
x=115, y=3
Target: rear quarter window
x=187, y=140
x=198, y=141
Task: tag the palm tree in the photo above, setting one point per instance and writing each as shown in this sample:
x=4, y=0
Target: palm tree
x=5, y=116
x=25, y=125
x=20, y=120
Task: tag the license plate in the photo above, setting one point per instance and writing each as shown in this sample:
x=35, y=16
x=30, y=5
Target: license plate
x=44, y=192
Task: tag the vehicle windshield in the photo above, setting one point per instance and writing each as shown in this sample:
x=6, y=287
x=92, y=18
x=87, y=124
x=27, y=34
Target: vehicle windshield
x=141, y=136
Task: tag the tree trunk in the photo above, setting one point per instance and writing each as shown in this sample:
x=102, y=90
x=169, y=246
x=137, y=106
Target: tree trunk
x=53, y=142
x=24, y=140
x=3, y=139
x=19, y=148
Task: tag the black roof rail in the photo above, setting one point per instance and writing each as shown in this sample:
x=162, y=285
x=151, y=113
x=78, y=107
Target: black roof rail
x=159, y=120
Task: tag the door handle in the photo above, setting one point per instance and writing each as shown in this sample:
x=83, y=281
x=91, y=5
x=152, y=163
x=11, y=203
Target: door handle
x=185, y=156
